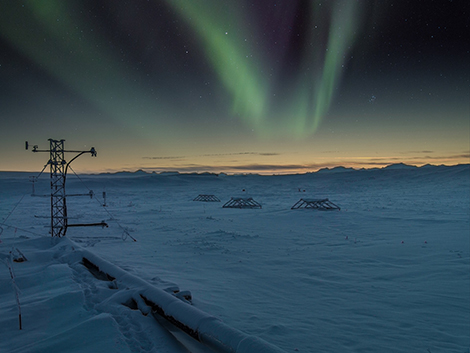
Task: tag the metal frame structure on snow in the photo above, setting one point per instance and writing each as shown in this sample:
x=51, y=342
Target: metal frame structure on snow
x=206, y=198
x=241, y=202
x=319, y=204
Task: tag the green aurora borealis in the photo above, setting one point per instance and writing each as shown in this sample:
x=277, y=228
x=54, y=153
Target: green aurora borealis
x=266, y=86
x=231, y=56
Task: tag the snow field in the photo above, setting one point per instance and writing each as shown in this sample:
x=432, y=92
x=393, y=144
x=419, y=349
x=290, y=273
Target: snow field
x=389, y=272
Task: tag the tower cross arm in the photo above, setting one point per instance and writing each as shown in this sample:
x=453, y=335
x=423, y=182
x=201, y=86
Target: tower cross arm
x=92, y=151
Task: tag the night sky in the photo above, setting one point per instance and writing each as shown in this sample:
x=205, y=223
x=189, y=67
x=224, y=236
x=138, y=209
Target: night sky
x=234, y=85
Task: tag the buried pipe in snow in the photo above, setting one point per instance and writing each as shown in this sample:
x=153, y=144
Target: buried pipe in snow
x=200, y=326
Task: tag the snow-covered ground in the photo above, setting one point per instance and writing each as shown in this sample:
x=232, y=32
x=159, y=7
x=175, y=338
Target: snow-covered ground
x=390, y=272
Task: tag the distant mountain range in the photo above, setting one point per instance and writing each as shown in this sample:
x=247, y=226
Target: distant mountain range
x=339, y=169
x=396, y=166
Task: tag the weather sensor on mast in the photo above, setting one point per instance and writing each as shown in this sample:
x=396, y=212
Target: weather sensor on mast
x=59, y=167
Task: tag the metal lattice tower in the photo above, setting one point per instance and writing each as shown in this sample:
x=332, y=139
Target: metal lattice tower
x=58, y=201
x=58, y=166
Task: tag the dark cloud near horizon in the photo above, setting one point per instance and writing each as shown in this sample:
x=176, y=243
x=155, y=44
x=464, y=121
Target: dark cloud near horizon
x=217, y=155
x=455, y=156
x=414, y=152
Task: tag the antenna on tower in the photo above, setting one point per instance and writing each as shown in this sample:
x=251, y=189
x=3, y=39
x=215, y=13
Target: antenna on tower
x=59, y=167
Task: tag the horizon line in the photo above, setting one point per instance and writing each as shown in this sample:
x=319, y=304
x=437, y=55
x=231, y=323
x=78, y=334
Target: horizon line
x=378, y=166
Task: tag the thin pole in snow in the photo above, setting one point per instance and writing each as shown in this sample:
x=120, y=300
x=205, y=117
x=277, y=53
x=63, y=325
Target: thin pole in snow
x=16, y=291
